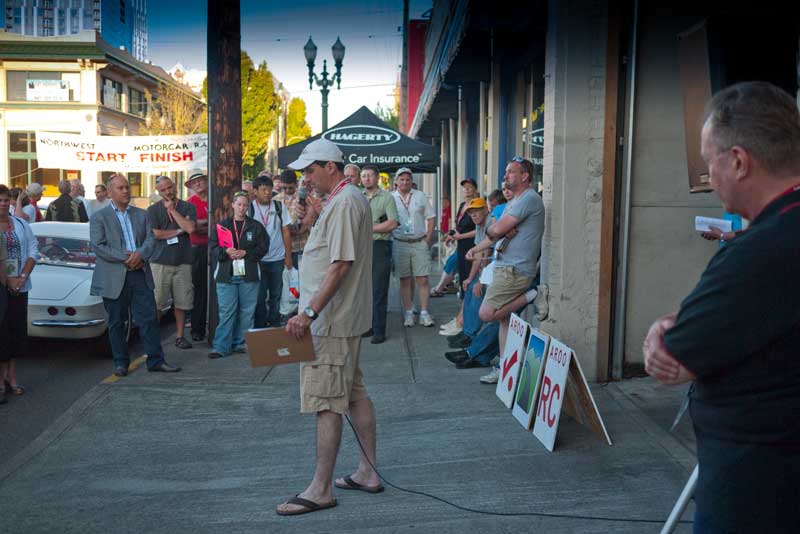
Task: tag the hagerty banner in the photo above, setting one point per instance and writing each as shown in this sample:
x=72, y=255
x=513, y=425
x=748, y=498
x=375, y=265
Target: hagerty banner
x=146, y=153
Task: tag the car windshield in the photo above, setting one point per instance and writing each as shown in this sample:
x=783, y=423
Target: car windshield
x=66, y=252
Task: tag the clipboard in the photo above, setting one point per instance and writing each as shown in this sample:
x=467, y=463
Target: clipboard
x=268, y=347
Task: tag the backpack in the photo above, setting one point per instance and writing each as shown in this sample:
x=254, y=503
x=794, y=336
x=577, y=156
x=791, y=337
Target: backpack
x=277, y=204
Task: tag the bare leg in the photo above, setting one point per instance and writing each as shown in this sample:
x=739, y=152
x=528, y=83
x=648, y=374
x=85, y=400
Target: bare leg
x=11, y=372
x=180, y=321
x=445, y=281
x=501, y=336
x=407, y=292
x=329, y=435
x=362, y=415
x=424, y=292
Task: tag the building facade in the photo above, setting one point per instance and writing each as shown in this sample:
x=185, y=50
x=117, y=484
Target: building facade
x=606, y=98
x=76, y=84
x=121, y=23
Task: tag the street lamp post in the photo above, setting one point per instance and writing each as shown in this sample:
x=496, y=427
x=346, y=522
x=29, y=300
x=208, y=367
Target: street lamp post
x=310, y=50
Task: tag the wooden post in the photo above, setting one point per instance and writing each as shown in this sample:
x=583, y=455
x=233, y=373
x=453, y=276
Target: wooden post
x=224, y=119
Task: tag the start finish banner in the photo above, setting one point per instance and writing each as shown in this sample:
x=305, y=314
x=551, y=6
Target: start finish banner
x=146, y=153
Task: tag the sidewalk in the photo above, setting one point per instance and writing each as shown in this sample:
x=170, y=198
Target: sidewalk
x=216, y=447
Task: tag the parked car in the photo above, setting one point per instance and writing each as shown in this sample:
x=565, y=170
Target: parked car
x=59, y=304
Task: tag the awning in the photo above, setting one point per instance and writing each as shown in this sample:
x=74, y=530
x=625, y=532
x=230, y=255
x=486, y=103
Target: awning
x=364, y=138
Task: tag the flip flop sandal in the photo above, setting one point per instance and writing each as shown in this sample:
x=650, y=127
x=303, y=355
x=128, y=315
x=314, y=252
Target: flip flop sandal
x=308, y=506
x=15, y=390
x=350, y=484
x=436, y=294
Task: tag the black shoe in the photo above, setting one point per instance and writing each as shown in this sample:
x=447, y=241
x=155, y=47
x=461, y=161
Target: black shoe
x=469, y=364
x=462, y=343
x=240, y=349
x=198, y=337
x=457, y=337
x=120, y=371
x=368, y=333
x=163, y=367
x=377, y=340
x=182, y=343
x=214, y=355
x=3, y=398
x=457, y=356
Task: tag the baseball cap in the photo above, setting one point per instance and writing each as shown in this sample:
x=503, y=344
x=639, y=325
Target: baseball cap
x=34, y=188
x=402, y=170
x=476, y=203
x=319, y=150
x=469, y=181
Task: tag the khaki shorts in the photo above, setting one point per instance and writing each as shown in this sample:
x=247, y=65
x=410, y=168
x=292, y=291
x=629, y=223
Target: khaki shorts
x=508, y=284
x=334, y=379
x=173, y=281
x=411, y=259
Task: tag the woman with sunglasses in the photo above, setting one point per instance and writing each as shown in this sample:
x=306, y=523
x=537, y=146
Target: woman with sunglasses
x=238, y=243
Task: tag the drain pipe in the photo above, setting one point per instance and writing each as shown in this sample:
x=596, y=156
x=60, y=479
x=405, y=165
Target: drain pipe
x=618, y=353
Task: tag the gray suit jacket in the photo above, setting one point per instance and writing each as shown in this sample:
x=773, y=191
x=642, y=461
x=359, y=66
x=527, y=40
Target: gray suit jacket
x=108, y=244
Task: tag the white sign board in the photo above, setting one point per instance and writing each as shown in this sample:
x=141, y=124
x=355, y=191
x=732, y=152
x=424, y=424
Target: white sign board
x=510, y=364
x=530, y=378
x=47, y=91
x=552, y=393
x=150, y=154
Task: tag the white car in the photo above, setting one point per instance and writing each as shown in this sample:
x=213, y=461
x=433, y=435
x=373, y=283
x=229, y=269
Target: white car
x=59, y=303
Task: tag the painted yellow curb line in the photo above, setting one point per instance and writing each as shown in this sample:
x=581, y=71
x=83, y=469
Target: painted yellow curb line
x=135, y=364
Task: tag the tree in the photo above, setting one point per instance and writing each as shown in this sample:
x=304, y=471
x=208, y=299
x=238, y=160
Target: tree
x=297, y=128
x=259, y=109
x=389, y=115
x=173, y=111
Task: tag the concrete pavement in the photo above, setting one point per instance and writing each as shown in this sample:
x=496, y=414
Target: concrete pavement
x=216, y=447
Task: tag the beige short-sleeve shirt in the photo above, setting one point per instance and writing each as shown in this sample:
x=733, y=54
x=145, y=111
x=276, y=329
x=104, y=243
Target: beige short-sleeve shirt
x=343, y=232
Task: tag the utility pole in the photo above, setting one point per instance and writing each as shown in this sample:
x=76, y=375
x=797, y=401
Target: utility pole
x=403, y=118
x=224, y=119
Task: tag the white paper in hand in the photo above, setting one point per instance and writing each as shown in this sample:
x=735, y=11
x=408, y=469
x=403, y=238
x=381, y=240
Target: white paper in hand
x=704, y=224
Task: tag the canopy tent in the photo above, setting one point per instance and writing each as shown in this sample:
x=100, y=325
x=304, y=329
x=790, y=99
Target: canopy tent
x=364, y=138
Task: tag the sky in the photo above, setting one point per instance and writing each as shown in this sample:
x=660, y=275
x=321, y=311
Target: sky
x=276, y=31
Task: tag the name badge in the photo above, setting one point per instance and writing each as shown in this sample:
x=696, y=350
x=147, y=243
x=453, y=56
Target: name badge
x=408, y=228
x=249, y=236
x=172, y=241
x=238, y=267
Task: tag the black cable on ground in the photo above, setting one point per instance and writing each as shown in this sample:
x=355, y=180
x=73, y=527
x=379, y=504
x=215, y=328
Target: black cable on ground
x=506, y=514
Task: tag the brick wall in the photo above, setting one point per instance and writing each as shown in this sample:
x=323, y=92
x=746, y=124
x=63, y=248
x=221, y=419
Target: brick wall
x=573, y=157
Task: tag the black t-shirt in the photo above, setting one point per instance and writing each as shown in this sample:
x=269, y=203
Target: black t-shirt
x=739, y=332
x=164, y=253
x=464, y=224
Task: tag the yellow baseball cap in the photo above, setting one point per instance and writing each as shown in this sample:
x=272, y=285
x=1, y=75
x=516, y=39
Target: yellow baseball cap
x=476, y=203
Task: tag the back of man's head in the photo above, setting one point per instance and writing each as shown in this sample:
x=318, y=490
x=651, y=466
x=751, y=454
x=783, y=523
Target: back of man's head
x=64, y=187
x=762, y=119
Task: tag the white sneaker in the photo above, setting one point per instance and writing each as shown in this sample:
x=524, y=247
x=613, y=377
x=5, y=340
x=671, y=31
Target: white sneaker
x=491, y=377
x=540, y=303
x=409, y=318
x=449, y=324
x=450, y=330
x=425, y=318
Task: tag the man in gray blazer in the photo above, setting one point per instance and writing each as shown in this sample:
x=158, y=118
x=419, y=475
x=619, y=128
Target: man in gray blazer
x=122, y=242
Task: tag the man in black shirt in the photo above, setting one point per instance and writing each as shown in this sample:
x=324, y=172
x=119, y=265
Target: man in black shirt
x=737, y=333
x=65, y=208
x=172, y=220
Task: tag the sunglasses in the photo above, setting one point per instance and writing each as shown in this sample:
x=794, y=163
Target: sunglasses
x=518, y=159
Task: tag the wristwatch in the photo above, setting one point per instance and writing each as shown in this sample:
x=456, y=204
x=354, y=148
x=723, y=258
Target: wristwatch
x=310, y=313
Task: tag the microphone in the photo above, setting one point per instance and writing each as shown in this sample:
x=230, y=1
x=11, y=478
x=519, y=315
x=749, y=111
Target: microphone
x=302, y=194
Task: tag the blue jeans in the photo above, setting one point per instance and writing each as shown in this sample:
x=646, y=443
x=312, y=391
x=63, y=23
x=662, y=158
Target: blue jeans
x=485, y=346
x=139, y=298
x=268, y=306
x=472, y=322
x=451, y=263
x=381, y=271
x=237, y=306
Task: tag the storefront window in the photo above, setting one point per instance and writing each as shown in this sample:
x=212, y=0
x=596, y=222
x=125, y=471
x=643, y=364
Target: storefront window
x=43, y=86
x=111, y=96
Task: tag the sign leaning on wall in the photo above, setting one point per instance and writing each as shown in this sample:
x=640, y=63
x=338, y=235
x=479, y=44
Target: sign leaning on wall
x=149, y=153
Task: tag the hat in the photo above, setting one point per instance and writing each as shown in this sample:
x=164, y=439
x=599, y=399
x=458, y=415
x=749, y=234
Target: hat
x=34, y=188
x=195, y=174
x=469, y=181
x=475, y=203
x=319, y=150
x=402, y=170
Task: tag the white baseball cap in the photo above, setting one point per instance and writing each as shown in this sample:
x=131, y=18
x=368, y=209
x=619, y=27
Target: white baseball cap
x=319, y=150
x=403, y=170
